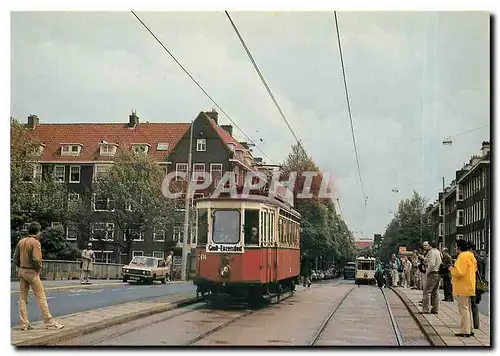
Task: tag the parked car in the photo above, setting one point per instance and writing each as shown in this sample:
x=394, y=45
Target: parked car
x=145, y=269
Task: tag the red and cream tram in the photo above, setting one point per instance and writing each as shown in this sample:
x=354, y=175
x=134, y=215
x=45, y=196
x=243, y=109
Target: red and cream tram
x=248, y=249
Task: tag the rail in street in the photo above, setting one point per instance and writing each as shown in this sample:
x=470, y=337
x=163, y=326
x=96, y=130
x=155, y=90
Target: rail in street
x=295, y=321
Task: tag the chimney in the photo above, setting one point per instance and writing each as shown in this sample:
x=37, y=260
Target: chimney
x=244, y=144
x=133, y=119
x=228, y=128
x=485, y=148
x=213, y=115
x=33, y=121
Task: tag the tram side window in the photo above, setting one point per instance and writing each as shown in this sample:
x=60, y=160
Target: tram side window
x=271, y=236
x=202, y=226
x=251, y=227
x=268, y=229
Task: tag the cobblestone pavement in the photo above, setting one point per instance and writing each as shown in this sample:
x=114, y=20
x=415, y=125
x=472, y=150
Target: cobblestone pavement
x=447, y=322
x=293, y=322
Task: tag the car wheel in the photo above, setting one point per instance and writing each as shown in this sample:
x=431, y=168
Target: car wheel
x=164, y=280
x=125, y=279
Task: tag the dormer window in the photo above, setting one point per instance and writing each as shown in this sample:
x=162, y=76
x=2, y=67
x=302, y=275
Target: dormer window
x=108, y=149
x=71, y=149
x=162, y=146
x=140, y=147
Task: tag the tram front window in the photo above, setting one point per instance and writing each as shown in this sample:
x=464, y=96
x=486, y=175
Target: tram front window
x=226, y=227
x=366, y=266
x=252, y=227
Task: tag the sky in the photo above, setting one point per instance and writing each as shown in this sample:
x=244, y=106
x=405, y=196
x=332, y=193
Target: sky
x=413, y=78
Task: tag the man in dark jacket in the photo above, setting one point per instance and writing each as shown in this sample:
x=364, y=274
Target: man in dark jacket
x=305, y=270
x=445, y=274
x=475, y=300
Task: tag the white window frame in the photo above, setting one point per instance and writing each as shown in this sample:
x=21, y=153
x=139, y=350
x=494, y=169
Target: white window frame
x=154, y=235
x=37, y=172
x=57, y=178
x=440, y=208
x=56, y=224
x=67, y=231
x=178, y=233
x=140, y=239
x=93, y=229
x=73, y=197
x=107, y=230
x=201, y=145
x=107, y=150
x=460, y=216
x=159, y=254
x=460, y=195
x=440, y=229
x=162, y=146
x=25, y=227
x=212, y=166
x=100, y=169
x=137, y=253
x=177, y=165
x=67, y=150
x=79, y=174
x=195, y=166
x=107, y=253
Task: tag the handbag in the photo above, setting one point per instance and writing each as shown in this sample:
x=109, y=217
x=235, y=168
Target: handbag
x=481, y=286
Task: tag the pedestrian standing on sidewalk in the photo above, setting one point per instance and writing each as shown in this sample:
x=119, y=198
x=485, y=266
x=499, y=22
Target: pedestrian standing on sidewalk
x=415, y=275
x=407, y=268
x=395, y=270
x=446, y=276
x=88, y=257
x=168, y=263
x=28, y=258
x=432, y=261
x=476, y=299
x=463, y=276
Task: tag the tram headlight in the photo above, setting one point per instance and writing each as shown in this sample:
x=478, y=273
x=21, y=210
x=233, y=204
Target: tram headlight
x=224, y=271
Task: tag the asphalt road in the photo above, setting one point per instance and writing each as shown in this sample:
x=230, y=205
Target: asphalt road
x=79, y=300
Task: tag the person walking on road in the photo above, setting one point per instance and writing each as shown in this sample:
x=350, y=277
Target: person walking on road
x=88, y=257
x=168, y=263
x=432, y=262
x=463, y=276
x=379, y=275
x=445, y=275
x=305, y=270
x=28, y=258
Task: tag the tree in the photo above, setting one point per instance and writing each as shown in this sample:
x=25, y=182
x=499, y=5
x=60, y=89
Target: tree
x=55, y=246
x=409, y=227
x=132, y=190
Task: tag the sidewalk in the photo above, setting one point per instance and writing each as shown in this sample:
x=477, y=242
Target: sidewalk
x=446, y=323
x=78, y=324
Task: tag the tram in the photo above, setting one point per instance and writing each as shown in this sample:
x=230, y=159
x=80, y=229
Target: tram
x=365, y=270
x=248, y=249
x=350, y=270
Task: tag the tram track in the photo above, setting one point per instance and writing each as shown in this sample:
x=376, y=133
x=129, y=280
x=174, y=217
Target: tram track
x=395, y=327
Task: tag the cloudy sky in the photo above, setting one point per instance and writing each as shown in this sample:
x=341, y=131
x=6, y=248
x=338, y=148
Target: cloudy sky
x=413, y=78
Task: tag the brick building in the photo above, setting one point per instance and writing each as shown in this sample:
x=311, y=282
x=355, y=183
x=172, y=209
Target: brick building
x=78, y=153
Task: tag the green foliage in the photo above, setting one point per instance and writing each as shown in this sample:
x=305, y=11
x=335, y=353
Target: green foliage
x=408, y=228
x=133, y=187
x=56, y=247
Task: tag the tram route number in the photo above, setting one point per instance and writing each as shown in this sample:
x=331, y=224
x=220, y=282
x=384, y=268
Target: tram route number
x=224, y=248
x=202, y=256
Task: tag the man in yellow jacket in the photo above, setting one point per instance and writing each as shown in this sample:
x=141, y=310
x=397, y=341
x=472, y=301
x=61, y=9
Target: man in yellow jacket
x=463, y=276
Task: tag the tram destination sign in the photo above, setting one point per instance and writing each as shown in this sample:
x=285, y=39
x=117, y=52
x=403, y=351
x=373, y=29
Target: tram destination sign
x=224, y=248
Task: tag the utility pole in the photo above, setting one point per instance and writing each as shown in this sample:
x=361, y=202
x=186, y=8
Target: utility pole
x=186, y=208
x=444, y=217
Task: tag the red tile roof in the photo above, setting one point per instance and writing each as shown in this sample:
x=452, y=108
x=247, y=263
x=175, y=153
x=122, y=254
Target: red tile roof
x=225, y=136
x=361, y=244
x=91, y=135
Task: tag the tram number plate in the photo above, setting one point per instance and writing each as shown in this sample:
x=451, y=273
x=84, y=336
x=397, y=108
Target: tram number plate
x=202, y=256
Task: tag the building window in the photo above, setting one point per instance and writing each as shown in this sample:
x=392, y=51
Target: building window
x=110, y=232
x=98, y=231
x=178, y=234
x=201, y=145
x=71, y=230
x=484, y=208
x=137, y=253
x=56, y=224
x=37, y=172
x=101, y=203
x=140, y=148
x=159, y=254
x=460, y=195
x=440, y=208
x=106, y=256
x=460, y=217
x=198, y=168
x=135, y=234
x=440, y=230
x=73, y=197
x=71, y=149
x=216, y=173
x=74, y=174
x=25, y=227
x=59, y=173
x=100, y=169
x=107, y=150
x=158, y=235
x=162, y=146
x=180, y=167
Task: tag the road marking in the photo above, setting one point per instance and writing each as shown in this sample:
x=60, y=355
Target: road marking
x=114, y=290
x=95, y=291
x=72, y=295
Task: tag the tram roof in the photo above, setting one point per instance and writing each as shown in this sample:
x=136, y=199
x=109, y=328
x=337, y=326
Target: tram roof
x=252, y=198
x=366, y=258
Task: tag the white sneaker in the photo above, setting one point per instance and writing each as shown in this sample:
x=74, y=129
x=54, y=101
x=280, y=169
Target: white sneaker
x=54, y=326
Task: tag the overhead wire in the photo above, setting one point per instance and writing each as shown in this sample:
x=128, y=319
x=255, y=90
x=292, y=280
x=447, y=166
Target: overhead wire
x=199, y=86
x=261, y=76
